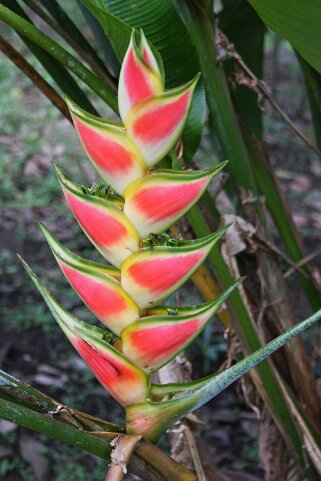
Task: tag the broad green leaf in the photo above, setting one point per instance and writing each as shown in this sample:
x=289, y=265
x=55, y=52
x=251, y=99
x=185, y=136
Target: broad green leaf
x=297, y=21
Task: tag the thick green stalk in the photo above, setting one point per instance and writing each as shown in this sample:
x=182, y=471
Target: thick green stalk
x=56, y=429
x=147, y=462
x=19, y=392
x=59, y=53
x=247, y=169
x=273, y=394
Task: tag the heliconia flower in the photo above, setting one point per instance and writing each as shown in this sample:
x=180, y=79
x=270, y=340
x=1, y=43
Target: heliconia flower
x=126, y=382
x=102, y=220
x=153, y=273
x=97, y=287
x=139, y=78
x=155, y=201
x=153, y=341
x=155, y=124
x=109, y=148
x=150, y=264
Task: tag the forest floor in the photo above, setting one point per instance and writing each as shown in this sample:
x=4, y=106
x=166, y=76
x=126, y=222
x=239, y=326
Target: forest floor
x=33, y=349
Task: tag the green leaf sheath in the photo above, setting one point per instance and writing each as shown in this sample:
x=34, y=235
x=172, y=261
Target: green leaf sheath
x=223, y=379
x=59, y=53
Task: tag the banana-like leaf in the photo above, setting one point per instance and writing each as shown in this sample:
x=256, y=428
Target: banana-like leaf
x=126, y=383
x=140, y=77
x=153, y=273
x=153, y=341
x=156, y=201
x=156, y=123
x=102, y=220
x=171, y=39
x=109, y=148
x=298, y=22
x=97, y=287
x=153, y=418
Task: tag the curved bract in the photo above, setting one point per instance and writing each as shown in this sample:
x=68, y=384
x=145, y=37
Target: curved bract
x=147, y=266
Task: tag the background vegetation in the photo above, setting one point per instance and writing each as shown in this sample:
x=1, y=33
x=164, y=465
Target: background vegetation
x=32, y=134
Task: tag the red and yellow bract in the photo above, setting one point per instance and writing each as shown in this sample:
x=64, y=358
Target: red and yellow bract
x=139, y=340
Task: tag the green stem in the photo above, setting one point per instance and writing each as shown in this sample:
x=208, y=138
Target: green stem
x=59, y=53
x=51, y=427
x=20, y=393
x=148, y=461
